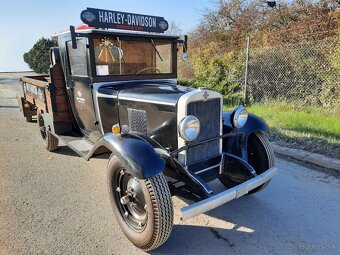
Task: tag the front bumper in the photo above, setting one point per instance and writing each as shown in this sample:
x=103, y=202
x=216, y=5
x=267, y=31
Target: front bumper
x=228, y=195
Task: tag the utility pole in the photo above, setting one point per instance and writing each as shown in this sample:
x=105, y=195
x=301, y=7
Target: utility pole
x=246, y=71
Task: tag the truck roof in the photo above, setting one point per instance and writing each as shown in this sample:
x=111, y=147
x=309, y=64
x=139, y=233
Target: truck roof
x=118, y=32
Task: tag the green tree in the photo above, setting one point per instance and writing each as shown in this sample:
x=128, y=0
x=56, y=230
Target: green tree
x=38, y=57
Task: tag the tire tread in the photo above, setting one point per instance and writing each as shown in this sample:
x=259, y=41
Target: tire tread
x=270, y=153
x=163, y=211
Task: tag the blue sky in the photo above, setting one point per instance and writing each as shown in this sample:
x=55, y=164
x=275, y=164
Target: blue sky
x=24, y=22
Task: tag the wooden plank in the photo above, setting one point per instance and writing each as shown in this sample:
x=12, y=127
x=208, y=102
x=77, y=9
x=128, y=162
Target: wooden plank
x=61, y=114
x=37, y=83
x=62, y=117
x=48, y=100
x=40, y=105
x=59, y=84
x=29, y=98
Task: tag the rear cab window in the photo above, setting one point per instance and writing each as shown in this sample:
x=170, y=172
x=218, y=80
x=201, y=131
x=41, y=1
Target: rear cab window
x=77, y=58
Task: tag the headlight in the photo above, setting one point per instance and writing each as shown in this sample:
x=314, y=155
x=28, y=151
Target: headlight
x=240, y=117
x=189, y=128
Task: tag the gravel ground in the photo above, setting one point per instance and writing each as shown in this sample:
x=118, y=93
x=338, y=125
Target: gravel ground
x=56, y=203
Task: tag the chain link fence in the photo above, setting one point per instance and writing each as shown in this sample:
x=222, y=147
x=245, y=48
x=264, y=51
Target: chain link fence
x=279, y=83
x=305, y=73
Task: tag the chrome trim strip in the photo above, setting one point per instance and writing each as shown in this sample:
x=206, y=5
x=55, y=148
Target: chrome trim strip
x=207, y=169
x=146, y=101
x=96, y=94
x=227, y=195
x=170, y=81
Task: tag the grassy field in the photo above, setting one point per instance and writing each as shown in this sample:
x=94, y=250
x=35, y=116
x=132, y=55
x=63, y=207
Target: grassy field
x=309, y=128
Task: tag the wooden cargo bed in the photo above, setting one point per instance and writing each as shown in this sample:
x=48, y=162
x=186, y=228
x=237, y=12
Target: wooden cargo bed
x=47, y=94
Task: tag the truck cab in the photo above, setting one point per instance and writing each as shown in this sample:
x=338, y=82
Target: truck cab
x=116, y=92
x=103, y=64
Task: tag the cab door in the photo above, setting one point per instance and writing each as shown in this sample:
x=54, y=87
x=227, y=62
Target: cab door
x=79, y=87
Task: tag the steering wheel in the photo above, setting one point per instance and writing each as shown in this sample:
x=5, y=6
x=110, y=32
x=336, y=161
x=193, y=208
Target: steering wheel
x=147, y=68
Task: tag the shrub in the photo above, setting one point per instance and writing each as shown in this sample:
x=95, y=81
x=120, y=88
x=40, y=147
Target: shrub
x=222, y=73
x=38, y=57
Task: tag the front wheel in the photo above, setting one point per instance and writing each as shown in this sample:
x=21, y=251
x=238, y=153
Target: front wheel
x=260, y=157
x=143, y=208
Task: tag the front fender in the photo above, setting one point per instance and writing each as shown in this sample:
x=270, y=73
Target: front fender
x=237, y=144
x=136, y=154
x=253, y=124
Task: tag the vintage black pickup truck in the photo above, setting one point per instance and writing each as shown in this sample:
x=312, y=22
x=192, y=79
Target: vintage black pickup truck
x=116, y=92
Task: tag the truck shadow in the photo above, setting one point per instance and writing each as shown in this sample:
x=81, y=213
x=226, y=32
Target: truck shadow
x=9, y=106
x=65, y=150
x=222, y=230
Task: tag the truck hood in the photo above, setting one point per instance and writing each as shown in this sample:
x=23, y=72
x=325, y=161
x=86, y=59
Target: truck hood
x=160, y=92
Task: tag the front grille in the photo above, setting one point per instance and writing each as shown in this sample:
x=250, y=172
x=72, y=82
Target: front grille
x=209, y=114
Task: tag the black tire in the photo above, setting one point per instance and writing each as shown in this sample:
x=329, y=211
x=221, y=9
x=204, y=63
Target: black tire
x=49, y=140
x=153, y=225
x=260, y=157
x=28, y=118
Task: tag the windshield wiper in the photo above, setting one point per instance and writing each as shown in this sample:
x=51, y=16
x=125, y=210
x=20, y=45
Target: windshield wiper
x=154, y=46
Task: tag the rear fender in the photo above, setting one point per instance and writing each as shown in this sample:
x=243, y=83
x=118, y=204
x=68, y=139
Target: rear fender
x=137, y=155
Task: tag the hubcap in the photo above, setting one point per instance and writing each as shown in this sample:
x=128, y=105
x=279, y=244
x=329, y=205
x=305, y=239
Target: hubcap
x=130, y=200
x=136, y=202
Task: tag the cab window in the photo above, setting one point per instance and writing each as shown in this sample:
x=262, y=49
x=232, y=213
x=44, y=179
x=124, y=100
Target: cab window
x=114, y=56
x=77, y=58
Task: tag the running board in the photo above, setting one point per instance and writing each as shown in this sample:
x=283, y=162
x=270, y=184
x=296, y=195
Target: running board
x=77, y=143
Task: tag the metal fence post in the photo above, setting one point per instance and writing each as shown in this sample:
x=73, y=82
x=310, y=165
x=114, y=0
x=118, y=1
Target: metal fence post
x=246, y=71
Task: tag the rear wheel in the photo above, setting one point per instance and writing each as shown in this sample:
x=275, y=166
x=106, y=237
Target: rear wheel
x=50, y=141
x=143, y=208
x=260, y=157
x=28, y=118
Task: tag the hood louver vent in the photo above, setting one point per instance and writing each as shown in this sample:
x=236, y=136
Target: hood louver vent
x=137, y=121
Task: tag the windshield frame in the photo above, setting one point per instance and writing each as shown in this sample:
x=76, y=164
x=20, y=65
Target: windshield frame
x=132, y=37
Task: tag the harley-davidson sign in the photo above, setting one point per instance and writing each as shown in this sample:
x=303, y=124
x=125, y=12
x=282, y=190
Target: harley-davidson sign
x=122, y=20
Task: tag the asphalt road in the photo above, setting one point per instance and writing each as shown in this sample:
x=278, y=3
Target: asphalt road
x=56, y=203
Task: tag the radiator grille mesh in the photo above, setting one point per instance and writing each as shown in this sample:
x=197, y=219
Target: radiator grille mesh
x=209, y=114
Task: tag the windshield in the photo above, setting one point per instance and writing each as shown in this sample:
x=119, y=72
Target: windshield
x=114, y=56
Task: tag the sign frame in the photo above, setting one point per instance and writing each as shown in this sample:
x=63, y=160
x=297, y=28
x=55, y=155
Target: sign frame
x=100, y=18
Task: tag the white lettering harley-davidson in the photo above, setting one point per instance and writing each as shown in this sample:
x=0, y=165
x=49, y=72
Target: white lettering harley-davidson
x=116, y=92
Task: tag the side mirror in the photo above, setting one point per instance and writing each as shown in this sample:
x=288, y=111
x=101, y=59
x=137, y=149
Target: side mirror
x=271, y=3
x=185, y=48
x=184, y=56
x=73, y=37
